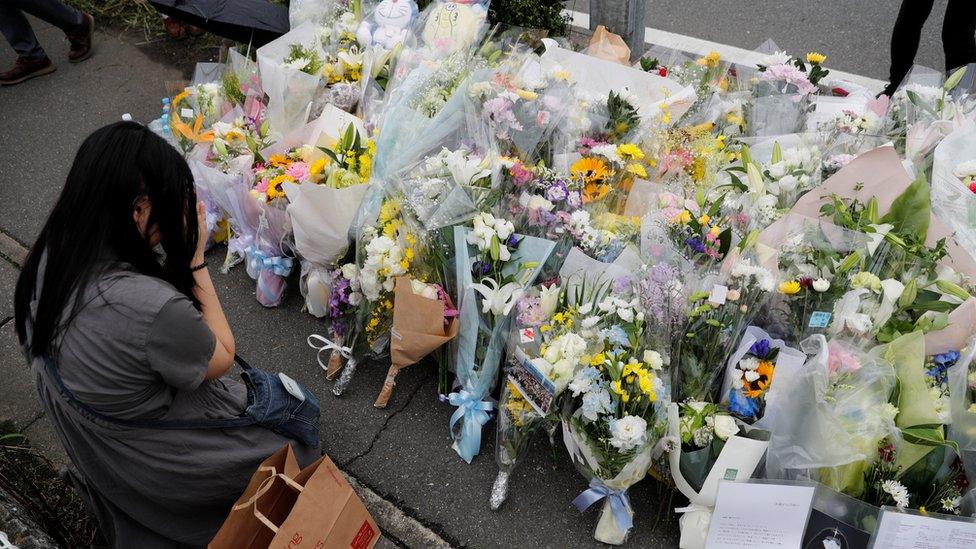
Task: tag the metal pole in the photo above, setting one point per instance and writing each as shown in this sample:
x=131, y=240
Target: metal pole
x=622, y=17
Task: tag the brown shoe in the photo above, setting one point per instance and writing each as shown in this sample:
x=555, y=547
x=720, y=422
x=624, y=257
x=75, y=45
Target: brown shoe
x=81, y=43
x=25, y=69
x=174, y=28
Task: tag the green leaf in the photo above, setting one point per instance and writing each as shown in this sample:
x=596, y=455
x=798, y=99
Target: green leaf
x=928, y=435
x=911, y=212
x=328, y=152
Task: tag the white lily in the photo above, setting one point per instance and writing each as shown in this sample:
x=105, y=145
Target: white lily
x=497, y=300
x=465, y=169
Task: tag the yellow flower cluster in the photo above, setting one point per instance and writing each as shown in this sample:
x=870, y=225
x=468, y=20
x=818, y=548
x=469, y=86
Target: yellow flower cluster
x=516, y=405
x=789, y=287
x=710, y=61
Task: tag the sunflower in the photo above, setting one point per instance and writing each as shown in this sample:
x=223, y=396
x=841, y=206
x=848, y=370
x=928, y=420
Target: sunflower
x=278, y=160
x=590, y=170
x=274, y=186
x=755, y=389
x=595, y=191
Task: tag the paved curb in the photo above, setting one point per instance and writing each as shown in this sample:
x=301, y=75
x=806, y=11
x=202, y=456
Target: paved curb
x=12, y=250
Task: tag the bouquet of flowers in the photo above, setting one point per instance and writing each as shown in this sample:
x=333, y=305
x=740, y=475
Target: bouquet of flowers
x=323, y=201
x=493, y=270
x=424, y=318
x=291, y=69
x=718, y=314
x=613, y=427
x=839, y=414
x=689, y=156
x=554, y=331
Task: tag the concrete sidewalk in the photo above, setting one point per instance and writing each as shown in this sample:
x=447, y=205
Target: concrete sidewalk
x=421, y=492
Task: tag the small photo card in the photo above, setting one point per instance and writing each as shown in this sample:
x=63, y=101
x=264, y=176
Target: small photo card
x=759, y=515
x=537, y=389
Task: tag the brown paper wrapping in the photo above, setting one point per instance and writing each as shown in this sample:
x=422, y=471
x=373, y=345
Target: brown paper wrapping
x=418, y=329
x=607, y=45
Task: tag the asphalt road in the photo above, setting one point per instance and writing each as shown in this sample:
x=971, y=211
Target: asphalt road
x=855, y=34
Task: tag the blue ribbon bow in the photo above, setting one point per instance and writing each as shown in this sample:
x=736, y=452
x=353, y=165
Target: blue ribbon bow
x=475, y=414
x=619, y=502
x=261, y=261
x=240, y=244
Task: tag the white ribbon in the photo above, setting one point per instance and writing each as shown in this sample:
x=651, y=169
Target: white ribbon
x=327, y=344
x=694, y=522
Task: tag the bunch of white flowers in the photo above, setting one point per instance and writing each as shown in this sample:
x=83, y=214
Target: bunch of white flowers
x=490, y=231
x=561, y=358
x=746, y=274
x=628, y=433
x=625, y=310
x=384, y=262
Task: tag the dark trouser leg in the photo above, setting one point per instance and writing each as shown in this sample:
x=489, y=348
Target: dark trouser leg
x=18, y=32
x=54, y=12
x=905, y=38
x=959, y=33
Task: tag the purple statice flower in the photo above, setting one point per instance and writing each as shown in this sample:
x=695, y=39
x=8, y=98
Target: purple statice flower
x=530, y=312
x=695, y=244
x=659, y=293
x=557, y=191
x=512, y=241
x=622, y=284
x=760, y=348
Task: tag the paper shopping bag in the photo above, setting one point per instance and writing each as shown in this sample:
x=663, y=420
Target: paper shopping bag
x=609, y=46
x=418, y=329
x=286, y=507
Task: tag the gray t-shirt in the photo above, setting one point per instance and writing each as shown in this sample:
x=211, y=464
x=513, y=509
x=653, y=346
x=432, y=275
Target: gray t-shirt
x=139, y=349
x=136, y=342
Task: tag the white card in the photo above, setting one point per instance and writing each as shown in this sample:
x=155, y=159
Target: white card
x=719, y=294
x=292, y=386
x=737, y=461
x=758, y=516
x=186, y=113
x=910, y=531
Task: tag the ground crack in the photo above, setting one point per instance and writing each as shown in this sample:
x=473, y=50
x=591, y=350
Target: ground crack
x=386, y=422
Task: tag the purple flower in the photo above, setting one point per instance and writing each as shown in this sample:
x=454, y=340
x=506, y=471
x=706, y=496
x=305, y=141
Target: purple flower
x=575, y=199
x=480, y=268
x=512, y=242
x=557, y=192
x=760, y=348
x=695, y=244
x=540, y=218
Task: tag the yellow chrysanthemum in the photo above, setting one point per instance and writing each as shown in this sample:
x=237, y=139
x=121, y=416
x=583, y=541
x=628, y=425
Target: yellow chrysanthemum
x=816, y=58
x=684, y=217
x=704, y=219
x=389, y=210
x=637, y=170
x=790, y=287
x=630, y=150
x=527, y=95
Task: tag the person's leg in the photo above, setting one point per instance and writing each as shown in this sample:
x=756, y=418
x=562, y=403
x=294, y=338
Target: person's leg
x=18, y=32
x=959, y=33
x=905, y=38
x=31, y=59
x=68, y=19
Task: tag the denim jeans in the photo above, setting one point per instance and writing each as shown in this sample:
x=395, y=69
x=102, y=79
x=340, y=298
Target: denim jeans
x=269, y=405
x=18, y=32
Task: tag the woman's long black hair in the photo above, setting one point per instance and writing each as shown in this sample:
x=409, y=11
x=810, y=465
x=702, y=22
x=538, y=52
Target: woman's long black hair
x=91, y=228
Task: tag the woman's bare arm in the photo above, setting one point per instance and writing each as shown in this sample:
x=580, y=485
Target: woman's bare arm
x=213, y=313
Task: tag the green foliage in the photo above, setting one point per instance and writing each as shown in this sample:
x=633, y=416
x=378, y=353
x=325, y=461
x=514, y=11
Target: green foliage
x=531, y=14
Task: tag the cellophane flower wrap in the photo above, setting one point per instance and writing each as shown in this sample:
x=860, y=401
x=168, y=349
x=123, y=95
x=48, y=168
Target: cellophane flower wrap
x=757, y=375
x=494, y=266
x=291, y=69
x=323, y=201
x=614, y=423
x=839, y=413
x=815, y=260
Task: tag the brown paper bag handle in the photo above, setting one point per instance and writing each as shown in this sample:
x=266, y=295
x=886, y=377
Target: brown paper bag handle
x=263, y=489
x=387, y=391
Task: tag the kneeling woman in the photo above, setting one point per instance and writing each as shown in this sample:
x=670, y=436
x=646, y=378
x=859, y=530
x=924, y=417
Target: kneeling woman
x=128, y=344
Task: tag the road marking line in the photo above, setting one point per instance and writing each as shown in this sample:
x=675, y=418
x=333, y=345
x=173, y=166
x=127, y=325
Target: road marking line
x=732, y=54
